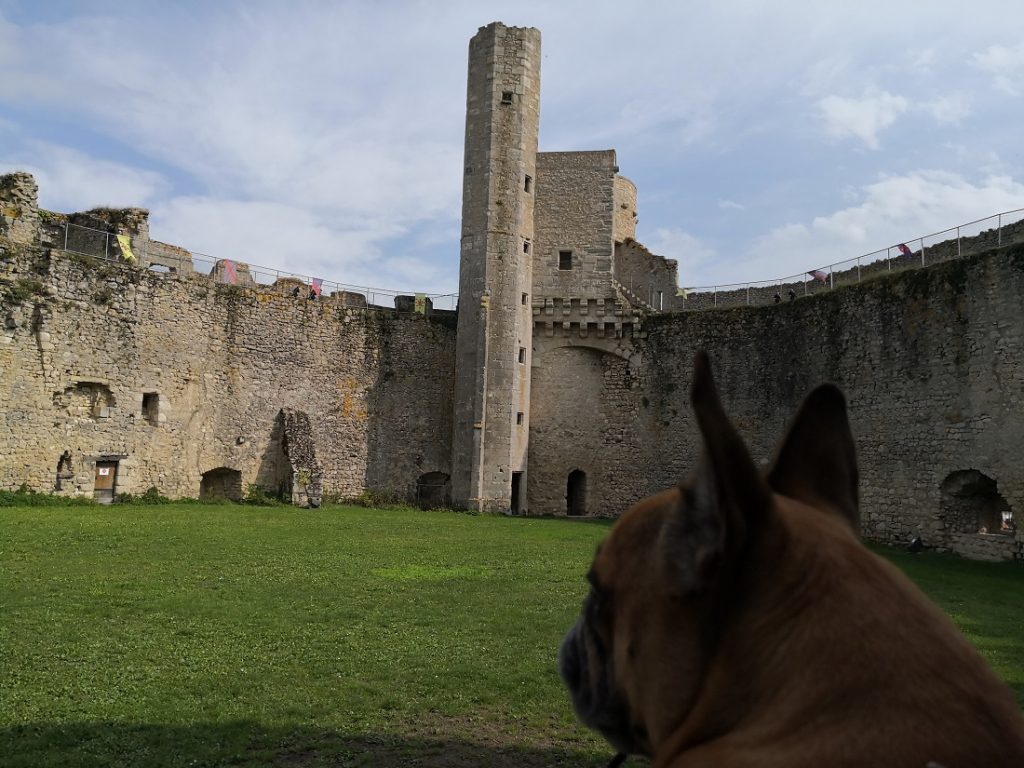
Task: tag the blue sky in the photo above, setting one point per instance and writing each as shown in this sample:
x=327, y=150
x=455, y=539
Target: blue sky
x=326, y=138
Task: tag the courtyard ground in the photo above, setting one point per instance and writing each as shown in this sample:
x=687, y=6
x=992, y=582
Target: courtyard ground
x=207, y=635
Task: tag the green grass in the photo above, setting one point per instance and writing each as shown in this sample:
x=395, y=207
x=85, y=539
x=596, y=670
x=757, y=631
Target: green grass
x=202, y=635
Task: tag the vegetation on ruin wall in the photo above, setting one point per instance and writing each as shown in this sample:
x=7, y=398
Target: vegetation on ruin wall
x=230, y=635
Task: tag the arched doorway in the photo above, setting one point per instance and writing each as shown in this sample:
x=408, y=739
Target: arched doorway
x=221, y=483
x=576, y=493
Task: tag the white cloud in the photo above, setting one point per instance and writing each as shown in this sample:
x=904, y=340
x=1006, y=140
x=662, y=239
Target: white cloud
x=70, y=180
x=335, y=124
x=921, y=60
x=694, y=256
x=862, y=118
x=1005, y=64
x=948, y=109
x=292, y=240
x=892, y=210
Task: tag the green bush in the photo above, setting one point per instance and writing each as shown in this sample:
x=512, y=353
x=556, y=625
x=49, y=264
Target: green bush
x=151, y=496
x=376, y=499
x=258, y=496
x=26, y=497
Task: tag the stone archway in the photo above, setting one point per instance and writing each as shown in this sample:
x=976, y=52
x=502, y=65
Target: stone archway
x=971, y=503
x=221, y=483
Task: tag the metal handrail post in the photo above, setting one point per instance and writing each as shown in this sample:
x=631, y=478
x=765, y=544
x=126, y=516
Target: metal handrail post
x=66, y=225
x=858, y=269
x=106, y=246
x=959, y=252
x=999, y=232
x=922, y=251
x=716, y=296
x=748, y=295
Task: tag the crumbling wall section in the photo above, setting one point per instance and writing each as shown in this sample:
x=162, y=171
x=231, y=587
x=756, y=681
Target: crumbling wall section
x=19, y=208
x=652, y=278
x=307, y=474
x=197, y=373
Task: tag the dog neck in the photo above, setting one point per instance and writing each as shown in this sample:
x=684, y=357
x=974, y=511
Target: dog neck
x=771, y=589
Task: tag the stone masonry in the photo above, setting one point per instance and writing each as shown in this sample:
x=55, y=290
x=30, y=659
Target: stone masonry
x=492, y=376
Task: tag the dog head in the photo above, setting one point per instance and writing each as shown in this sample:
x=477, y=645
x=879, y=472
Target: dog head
x=683, y=568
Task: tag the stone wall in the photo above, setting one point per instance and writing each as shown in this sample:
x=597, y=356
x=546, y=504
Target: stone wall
x=19, y=210
x=575, y=212
x=625, y=218
x=935, y=252
x=932, y=363
x=590, y=415
x=172, y=378
x=651, y=278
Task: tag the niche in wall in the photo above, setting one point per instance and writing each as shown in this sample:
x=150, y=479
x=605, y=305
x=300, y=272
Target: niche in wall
x=85, y=400
x=971, y=503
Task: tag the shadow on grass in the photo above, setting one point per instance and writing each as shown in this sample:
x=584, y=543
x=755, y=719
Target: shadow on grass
x=247, y=743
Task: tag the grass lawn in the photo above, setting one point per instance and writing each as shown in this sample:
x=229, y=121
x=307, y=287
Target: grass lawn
x=200, y=635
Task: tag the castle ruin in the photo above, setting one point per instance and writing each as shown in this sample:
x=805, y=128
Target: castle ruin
x=559, y=387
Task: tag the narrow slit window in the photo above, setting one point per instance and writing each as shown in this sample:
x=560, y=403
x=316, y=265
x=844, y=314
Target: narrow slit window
x=528, y=184
x=526, y=246
x=526, y=299
x=565, y=259
x=506, y=97
x=522, y=354
x=519, y=417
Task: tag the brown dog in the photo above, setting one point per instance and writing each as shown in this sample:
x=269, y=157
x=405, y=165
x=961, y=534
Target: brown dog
x=738, y=621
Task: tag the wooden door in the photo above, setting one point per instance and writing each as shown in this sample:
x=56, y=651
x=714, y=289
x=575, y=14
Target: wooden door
x=106, y=481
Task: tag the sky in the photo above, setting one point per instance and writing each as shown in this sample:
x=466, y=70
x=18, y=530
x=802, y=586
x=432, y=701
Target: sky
x=326, y=138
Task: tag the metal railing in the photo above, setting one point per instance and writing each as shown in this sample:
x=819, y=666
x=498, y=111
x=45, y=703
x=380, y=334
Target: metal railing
x=996, y=231
x=159, y=257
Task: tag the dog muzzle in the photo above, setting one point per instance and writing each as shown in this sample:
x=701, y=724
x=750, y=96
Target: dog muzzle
x=586, y=668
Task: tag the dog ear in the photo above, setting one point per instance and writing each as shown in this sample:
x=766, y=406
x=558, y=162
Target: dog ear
x=818, y=460
x=726, y=501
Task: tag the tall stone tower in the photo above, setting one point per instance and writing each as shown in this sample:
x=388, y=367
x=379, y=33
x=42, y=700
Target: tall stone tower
x=493, y=350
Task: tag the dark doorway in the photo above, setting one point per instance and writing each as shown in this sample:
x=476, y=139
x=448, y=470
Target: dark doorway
x=106, y=481
x=576, y=493
x=434, y=491
x=517, y=491
x=221, y=483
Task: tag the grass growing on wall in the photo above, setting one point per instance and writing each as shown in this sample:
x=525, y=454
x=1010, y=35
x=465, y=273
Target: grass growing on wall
x=231, y=635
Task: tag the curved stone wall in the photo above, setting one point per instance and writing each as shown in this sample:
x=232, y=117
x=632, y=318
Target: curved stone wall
x=932, y=363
